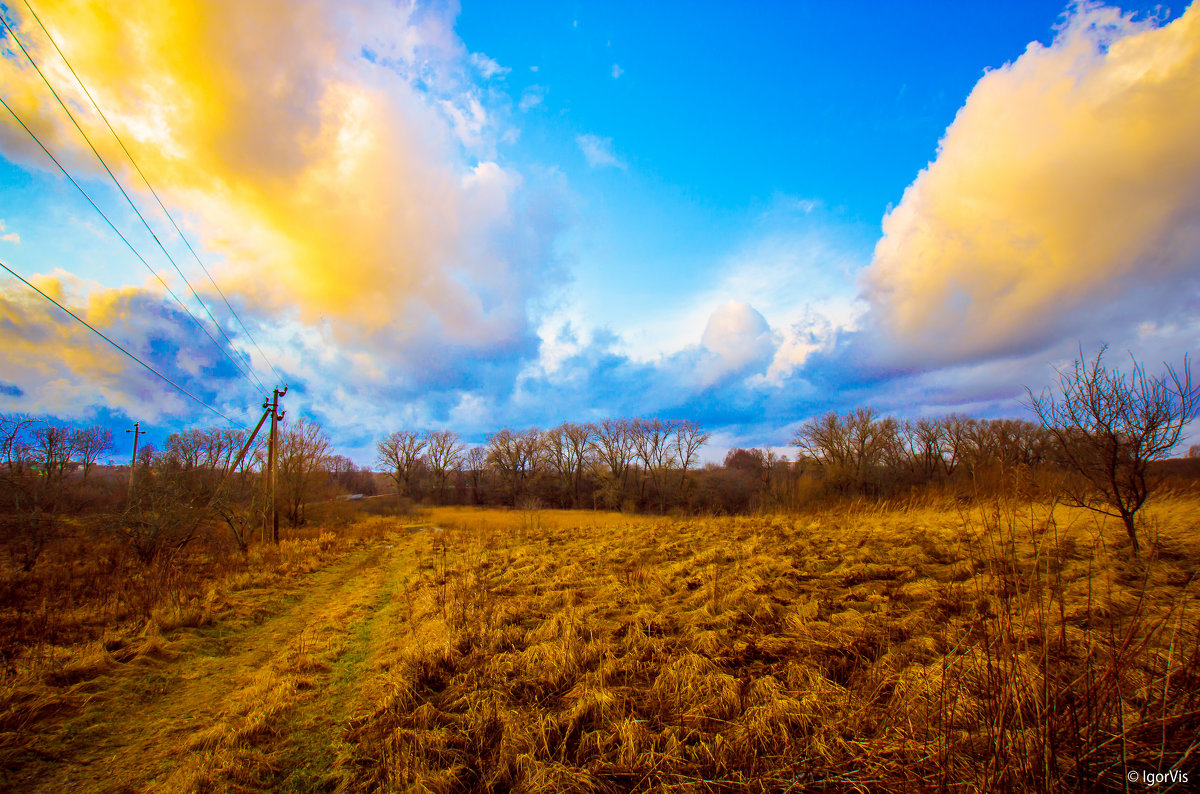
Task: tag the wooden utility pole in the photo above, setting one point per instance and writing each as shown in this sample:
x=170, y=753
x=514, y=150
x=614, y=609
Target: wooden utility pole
x=272, y=459
x=133, y=461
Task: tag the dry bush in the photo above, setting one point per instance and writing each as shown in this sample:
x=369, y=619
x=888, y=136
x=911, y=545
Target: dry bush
x=1002, y=646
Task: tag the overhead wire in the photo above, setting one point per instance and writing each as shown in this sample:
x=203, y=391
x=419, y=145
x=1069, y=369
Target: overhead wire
x=137, y=211
x=119, y=347
x=102, y=215
x=154, y=193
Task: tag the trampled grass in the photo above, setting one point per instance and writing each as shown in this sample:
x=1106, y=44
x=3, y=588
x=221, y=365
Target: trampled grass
x=1000, y=645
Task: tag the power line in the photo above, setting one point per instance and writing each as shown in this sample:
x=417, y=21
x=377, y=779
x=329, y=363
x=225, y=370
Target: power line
x=125, y=240
x=138, y=212
x=154, y=193
x=118, y=347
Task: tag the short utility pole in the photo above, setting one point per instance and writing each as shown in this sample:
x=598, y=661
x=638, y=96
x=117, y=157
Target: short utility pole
x=273, y=458
x=133, y=461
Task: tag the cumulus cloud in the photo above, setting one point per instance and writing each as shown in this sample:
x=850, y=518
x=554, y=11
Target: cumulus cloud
x=598, y=151
x=737, y=338
x=335, y=160
x=1065, y=198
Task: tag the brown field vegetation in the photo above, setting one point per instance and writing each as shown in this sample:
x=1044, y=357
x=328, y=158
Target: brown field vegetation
x=985, y=645
x=1004, y=645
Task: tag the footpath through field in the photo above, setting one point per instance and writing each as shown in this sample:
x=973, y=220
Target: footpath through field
x=256, y=701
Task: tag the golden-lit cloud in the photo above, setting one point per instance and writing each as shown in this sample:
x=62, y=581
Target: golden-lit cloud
x=322, y=151
x=55, y=365
x=1066, y=194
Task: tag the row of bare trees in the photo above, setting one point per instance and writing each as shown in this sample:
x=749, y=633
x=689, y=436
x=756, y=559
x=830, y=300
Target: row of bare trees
x=635, y=463
x=37, y=461
x=170, y=495
x=863, y=452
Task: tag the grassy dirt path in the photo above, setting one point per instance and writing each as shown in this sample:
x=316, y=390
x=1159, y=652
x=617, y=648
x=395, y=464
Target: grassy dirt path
x=256, y=701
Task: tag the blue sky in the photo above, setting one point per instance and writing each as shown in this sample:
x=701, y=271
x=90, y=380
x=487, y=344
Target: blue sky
x=522, y=214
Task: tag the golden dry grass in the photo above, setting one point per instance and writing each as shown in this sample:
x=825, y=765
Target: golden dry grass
x=132, y=679
x=992, y=646
x=998, y=646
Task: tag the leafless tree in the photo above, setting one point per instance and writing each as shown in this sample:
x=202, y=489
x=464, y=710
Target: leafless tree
x=515, y=455
x=687, y=440
x=16, y=442
x=445, y=454
x=652, y=446
x=848, y=447
x=31, y=491
x=929, y=436
x=565, y=451
x=580, y=447
x=474, y=462
x=1194, y=451
x=556, y=456
x=614, y=447
x=167, y=507
x=400, y=457
x=1108, y=426
x=53, y=451
x=303, y=461
x=89, y=443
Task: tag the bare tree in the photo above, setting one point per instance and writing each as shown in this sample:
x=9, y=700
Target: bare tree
x=580, y=446
x=400, y=456
x=652, y=445
x=556, y=455
x=475, y=461
x=445, y=453
x=168, y=505
x=1107, y=427
x=32, y=496
x=303, y=460
x=90, y=443
x=848, y=447
x=614, y=445
x=53, y=451
x=515, y=457
x=688, y=439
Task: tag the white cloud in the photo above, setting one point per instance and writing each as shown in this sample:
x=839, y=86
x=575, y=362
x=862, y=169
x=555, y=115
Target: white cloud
x=598, y=151
x=487, y=67
x=336, y=174
x=736, y=337
x=531, y=97
x=11, y=237
x=617, y=71
x=1065, y=199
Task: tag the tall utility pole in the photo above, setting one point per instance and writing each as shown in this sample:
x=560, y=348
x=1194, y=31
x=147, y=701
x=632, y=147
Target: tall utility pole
x=273, y=457
x=133, y=461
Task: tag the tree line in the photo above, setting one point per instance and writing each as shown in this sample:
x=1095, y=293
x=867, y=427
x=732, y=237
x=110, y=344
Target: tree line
x=630, y=464
x=1094, y=441
x=654, y=465
x=163, y=500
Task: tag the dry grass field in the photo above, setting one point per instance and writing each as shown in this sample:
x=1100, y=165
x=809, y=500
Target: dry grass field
x=991, y=646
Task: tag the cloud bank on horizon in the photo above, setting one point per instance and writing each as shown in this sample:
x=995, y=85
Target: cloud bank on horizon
x=344, y=168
